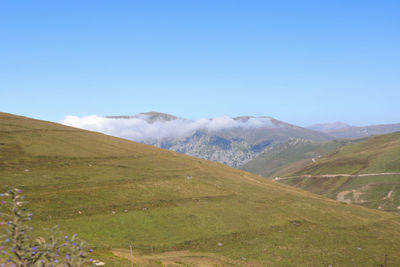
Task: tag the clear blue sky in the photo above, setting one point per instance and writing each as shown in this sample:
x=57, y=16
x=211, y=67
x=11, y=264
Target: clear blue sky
x=298, y=61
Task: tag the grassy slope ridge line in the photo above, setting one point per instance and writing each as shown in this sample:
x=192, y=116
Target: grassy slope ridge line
x=365, y=173
x=115, y=192
x=293, y=155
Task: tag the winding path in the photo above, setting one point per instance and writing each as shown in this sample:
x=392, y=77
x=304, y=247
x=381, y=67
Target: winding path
x=337, y=175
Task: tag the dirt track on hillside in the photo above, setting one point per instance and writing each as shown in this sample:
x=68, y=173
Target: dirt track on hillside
x=337, y=175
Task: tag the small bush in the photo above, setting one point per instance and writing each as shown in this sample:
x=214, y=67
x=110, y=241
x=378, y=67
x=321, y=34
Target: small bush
x=18, y=248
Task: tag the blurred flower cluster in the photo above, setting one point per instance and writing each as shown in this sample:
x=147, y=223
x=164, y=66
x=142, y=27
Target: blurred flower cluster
x=18, y=248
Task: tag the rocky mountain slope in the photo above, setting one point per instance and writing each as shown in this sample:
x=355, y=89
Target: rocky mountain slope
x=232, y=141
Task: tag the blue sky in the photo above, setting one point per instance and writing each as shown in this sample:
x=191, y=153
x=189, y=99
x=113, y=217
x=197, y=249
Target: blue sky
x=298, y=61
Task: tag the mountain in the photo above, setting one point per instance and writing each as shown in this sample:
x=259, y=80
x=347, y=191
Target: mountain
x=177, y=210
x=359, y=132
x=150, y=117
x=342, y=130
x=365, y=173
x=328, y=127
x=232, y=141
x=292, y=155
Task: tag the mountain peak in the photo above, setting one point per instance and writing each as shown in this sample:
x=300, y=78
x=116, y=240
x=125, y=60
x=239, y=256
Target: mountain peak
x=153, y=116
x=246, y=118
x=150, y=117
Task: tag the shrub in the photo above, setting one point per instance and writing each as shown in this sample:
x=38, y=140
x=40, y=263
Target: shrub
x=18, y=248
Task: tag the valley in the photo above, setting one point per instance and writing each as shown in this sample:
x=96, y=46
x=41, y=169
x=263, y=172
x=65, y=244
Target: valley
x=366, y=173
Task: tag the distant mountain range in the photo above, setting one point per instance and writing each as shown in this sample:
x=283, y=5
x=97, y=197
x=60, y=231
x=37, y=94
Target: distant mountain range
x=232, y=141
x=343, y=130
x=328, y=127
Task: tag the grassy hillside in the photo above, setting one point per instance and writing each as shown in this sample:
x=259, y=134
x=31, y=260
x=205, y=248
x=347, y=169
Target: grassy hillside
x=374, y=169
x=301, y=152
x=115, y=192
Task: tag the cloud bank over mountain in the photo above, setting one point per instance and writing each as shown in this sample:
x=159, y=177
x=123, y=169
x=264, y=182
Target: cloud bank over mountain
x=140, y=128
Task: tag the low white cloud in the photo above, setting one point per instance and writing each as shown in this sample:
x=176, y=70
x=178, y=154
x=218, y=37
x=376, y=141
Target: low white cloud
x=141, y=130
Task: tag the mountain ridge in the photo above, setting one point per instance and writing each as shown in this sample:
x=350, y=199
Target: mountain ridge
x=343, y=130
x=232, y=141
x=327, y=127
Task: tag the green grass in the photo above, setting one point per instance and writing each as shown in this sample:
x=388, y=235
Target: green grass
x=295, y=153
x=378, y=154
x=375, y=155
x=113, y=192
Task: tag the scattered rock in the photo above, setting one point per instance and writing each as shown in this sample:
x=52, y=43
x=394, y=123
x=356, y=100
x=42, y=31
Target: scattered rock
x=98, y=263
x=389, y=195
x=296, y=222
